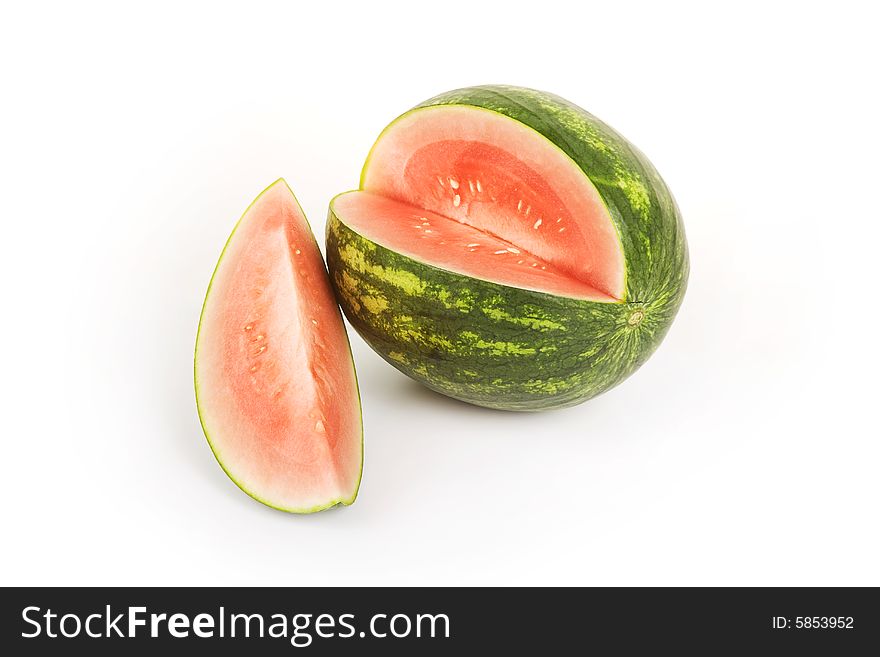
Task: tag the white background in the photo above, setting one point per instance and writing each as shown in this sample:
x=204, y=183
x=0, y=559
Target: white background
x=745, y=452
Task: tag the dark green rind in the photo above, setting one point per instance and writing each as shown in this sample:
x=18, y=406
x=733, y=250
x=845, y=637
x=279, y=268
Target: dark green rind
x=507, y=348
x=485, y=343
x=645, y=214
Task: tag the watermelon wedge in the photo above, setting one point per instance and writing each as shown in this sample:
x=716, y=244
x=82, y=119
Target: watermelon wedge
x=275, y=383
x=508, y=249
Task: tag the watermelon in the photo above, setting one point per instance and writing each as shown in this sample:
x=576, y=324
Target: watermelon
x=275, y=383
x=508, y=249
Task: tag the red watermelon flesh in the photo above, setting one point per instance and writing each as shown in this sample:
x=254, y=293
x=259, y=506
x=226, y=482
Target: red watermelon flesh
x=498, y=176
x=275, y=383
x=432, y=238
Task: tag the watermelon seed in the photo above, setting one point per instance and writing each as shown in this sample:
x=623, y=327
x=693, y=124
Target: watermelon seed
x=538, y=224
x=528, y=209
x=456, y=200
x=319, y=426
x=562, y=229
x=558, y=220
x=471, y=185
x=315, y=322
x=519, y=206
x=479, y=186
x=440, y=180
x=249, y=327
x=534, y=264
x=500, y=252
x=512, y=250
x=474, y=244
x=453, y=183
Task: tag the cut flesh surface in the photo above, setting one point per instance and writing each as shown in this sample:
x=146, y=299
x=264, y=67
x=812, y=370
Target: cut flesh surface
x=275, y=383
x=448, y=244
x=501, y=178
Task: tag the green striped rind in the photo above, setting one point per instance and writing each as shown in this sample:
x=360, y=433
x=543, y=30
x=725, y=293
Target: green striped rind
x=507, y=348
x=647, y=219
x=485, y=343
